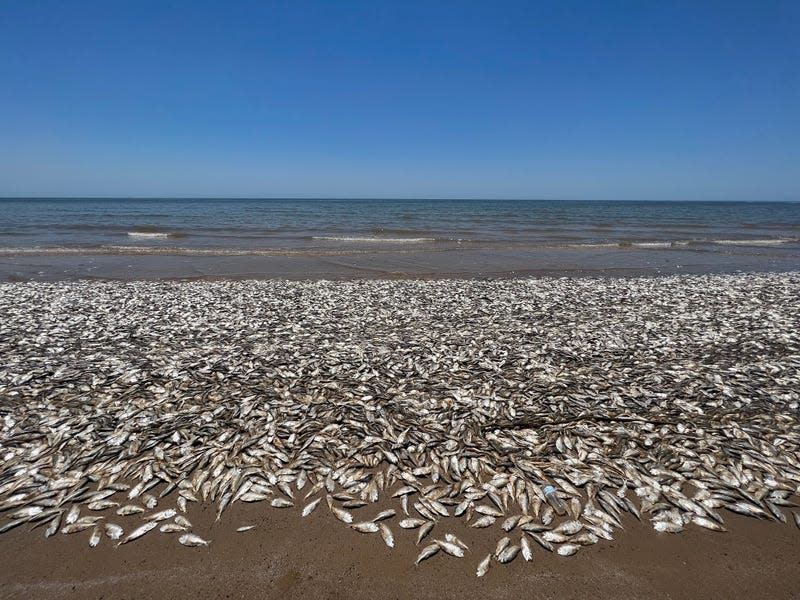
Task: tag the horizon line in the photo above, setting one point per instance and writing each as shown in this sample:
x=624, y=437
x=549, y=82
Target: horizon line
x=388, y=198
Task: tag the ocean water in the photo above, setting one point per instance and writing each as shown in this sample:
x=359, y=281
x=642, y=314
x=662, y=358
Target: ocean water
x=51, y=239
x=311, y=226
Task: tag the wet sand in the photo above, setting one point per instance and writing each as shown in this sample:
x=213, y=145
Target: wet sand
x=315, y=557
x=409, y=263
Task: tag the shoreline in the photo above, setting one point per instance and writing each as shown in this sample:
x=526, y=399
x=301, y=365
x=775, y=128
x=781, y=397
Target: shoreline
x=447, y=401
x=406, y=264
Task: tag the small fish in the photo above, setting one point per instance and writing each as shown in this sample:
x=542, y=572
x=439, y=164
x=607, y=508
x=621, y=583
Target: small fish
x=485, y=521
x=72, y=515
x=101, y=505
x=555, y=537
x=527, y=550
x=542, y=542
x=139, y=532
x=569, y=527
x=190, y=539
x=667, y=527
x=387, y=535
x=52, y=528
x=510, y=523
x=796, y=517
x=568, y=549
x=451, y=548
x=171, y=528
x=488, y=510
x=162, y=515
x=502, y=544
x=281, y=503
x=342, y=515
x=366, y=527
x=411, y=523
x=181, y=520
x=129, y=509
x=94, y=539
x=743, y=508
x=309, y=508
x=245, y=528
x=707, y=523
x=454, y=540
x=113, y=530
x=424, y=531
x=508, y=554
x=427, y=552
x=483, y=566
x=386, y=514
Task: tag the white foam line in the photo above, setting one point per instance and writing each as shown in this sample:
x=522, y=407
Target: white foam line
x=148, y=234
x=373, y=239
x=772, y=242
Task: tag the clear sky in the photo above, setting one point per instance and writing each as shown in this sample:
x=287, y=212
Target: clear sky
x=635, y=99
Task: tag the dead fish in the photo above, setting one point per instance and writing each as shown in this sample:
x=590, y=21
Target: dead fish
x=190, y=539
x=667, y=527
x=411, y=523
x=94, y=539
x=113, y=531
x=451, y=548
x=568, y=549
x=101, y=505
x=707, y=523
x=245, y=528
x=139, y=532
x=488, y=510
x=743, y=508
x=508, y=554
x=161, y=515
x=542, y=542
x=554, y=537
x=81, y=524
x=386, y=514
x=510, y=523
x=427, y=552
x=281, y=503
x=129, y=509
x=171, y=528
x=309, y=508
x=424, y=531
x=454, y=540
x=366, y=527
x=387, y=535
x=483, y=566
x=569, y=527
x=502, y=544
x=527, y=550
x=342, y=515
x=183, y=521
x=72, y=515
x=485, y=521
x=52, y=528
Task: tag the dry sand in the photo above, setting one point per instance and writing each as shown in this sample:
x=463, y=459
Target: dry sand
x=318, y=557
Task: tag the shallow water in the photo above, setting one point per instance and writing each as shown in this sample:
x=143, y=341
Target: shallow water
x=66, y=238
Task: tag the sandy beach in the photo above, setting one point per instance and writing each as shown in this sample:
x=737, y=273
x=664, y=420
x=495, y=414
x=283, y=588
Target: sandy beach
x=651, y=403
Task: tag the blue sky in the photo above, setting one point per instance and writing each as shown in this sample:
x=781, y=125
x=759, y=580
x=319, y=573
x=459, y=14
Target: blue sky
x=661, y=100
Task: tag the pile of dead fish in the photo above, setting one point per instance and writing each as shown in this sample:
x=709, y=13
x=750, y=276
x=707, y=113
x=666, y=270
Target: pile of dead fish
x=669, y=399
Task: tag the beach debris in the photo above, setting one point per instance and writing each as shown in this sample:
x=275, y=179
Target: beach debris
x=483, y=566
x=190, y=539
x=547, y=409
